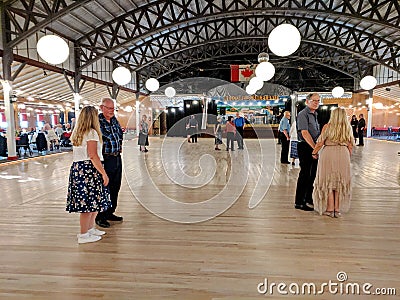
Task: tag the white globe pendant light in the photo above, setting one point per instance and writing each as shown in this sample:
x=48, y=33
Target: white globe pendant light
x=337, y=92
x=152, y=84
x=262, y=57
x=121, y=75
x=284, y=40
x=250, y=90
x=256, y=83
x=265, y=71
x=52, y=49
x=170, y=92
x=368, y=82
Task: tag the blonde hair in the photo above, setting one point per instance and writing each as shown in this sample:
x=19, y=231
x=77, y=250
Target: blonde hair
x=339, y=129
x=88, y=119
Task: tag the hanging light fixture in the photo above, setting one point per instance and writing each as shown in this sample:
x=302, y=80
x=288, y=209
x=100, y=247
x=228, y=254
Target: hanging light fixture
x=52, y=49
x=121, y=75
x=263, y=57
x=337, y=92
x=265, y=71
x=152, y=84
x=368, y=82
x=170, y=92
x=250, y=90
x=256, y=83
x=284, y=40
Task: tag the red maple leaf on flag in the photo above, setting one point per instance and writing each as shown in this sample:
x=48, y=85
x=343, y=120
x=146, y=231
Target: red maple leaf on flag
x=247, y=72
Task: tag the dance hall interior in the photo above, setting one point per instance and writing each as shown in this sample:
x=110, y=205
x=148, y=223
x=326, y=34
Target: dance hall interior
x=179, y=149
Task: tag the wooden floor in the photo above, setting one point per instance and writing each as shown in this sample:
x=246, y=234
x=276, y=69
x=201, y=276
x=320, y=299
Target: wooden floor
x=170, y=245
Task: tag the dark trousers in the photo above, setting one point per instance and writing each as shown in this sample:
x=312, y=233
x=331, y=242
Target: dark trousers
x=285, y=147
x=230, y=138
x=113, y=168
x=308, y=170
x=361, y=137
x=194, y=138
x=239, y=137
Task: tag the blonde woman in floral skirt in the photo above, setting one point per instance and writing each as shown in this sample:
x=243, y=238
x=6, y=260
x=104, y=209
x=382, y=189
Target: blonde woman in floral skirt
x=332, y=185
x=87, y=190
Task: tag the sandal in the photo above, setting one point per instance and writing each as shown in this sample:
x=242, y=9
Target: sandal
x=337, y=214
x=329, y=214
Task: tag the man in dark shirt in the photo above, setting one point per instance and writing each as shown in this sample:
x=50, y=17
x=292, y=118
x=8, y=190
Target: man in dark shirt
x=307, y=132
x=239, y=124
x=361, y=127
x=112, y=147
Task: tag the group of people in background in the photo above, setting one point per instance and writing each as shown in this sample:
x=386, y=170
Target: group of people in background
x=358, y=127
x=324, y=182
x=234, y=128
x=234, y=131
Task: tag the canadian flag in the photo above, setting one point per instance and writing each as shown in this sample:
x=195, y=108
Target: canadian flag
x=242, y=72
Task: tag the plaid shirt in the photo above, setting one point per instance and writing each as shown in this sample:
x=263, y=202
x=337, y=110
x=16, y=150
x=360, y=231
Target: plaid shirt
x=112, y=135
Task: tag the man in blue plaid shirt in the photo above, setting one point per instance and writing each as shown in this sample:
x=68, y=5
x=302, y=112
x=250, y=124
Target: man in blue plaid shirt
x=112, y=147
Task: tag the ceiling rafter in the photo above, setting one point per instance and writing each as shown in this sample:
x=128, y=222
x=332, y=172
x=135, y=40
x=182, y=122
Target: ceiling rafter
x=35, y=18
x=195, y=55
x=314, y=36
x=146, y=29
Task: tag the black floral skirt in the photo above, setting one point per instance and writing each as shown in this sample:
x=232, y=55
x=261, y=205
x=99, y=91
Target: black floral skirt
x=86, y=191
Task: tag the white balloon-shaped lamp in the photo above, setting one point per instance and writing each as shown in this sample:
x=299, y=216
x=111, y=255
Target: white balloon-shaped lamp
x=170, y=92
x=265, y=71
x=121, y=75
x=152, y=84
x=52, y=49
x=337, y=92
x=250, y=90
x=368, y=82
x=284, y=40
x=262, y=57
x=256, y=83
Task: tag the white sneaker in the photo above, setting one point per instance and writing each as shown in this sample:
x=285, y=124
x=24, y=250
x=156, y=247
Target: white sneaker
x=95, y=231
x=87, y=238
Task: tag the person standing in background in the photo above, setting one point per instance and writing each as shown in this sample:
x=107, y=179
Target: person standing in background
x=361, y=128
x=239, y=124
x=143, y=140
x=112, y=147
x=192, y=128
x=87, y=192
x=354, y=127
x=307, y=133
x=293, y=142
x=284, y=129
x=218, y=133
x=230, y=134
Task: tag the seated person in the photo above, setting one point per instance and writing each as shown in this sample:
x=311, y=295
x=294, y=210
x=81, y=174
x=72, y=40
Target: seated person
x=51, y=137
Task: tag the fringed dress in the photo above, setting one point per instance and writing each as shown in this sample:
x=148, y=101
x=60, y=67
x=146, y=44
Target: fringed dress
x=333, y=173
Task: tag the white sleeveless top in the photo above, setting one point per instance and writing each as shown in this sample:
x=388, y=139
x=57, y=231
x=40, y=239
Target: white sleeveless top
x=80, y=152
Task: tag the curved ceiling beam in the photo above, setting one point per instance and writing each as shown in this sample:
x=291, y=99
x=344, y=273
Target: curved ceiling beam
x=163, y=74
x=54, y=10
x=347, y=39
x=151, y=19
x=180, y=61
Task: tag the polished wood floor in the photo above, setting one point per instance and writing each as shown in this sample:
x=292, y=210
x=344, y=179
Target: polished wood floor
x=188, y=231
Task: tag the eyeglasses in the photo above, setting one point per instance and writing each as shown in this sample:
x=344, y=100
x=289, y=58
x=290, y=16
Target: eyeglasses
x=110, y=108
